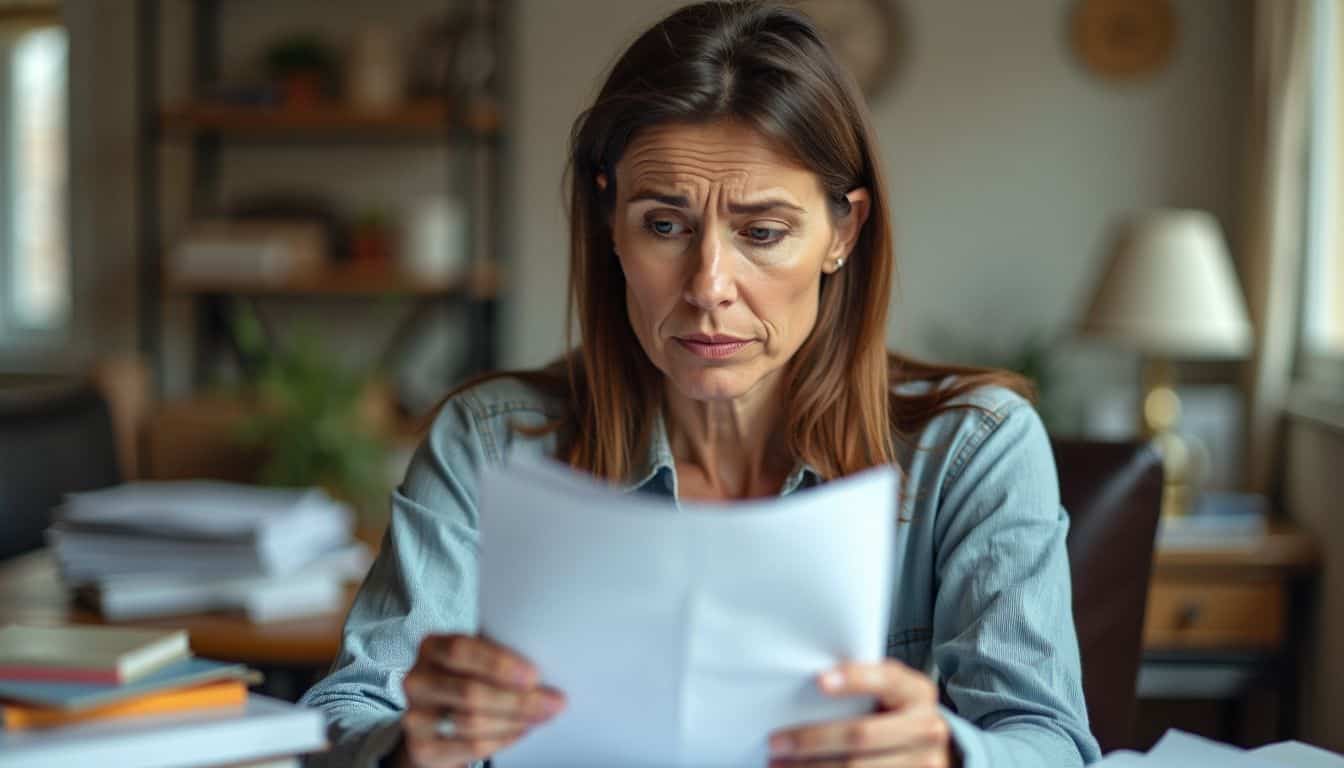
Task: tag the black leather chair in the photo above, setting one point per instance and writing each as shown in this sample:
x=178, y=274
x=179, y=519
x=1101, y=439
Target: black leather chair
x=1113, y=493
x=52, y=441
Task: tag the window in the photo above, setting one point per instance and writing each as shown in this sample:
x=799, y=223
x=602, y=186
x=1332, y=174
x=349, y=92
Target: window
x=35, y=279
x=1323, y=269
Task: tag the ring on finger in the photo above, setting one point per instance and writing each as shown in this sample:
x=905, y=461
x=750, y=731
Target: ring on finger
x=446, y=727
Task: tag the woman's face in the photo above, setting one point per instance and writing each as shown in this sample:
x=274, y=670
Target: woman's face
x=723, y=239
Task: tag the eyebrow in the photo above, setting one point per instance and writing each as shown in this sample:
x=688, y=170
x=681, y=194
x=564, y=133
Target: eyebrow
x=681, y=201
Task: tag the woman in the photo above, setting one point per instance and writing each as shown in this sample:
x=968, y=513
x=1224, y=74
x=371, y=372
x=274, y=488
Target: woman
x=730, y=269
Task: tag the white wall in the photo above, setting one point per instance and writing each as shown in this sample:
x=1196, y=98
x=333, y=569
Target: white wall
x=1313, y=487
x=1005, y=158
x=562, y=49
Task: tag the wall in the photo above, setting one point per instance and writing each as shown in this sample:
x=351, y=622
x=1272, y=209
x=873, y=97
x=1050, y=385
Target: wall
x=1005, y=159
x=1313, y=487
x=560, y=55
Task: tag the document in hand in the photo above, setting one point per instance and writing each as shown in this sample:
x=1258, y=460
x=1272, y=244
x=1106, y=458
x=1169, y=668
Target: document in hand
x=682, y=636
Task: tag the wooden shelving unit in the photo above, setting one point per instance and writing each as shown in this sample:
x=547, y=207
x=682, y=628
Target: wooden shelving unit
x=207, y=127
x=427, y=117
x=481, y=283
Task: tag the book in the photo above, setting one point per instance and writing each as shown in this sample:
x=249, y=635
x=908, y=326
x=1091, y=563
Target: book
x=74, y=697
x=87, y=654
x=264, y=728
x=248, y=252
x=225, y=693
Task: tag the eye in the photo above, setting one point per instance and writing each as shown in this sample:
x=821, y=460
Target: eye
x=665, y=227
x=764, y=236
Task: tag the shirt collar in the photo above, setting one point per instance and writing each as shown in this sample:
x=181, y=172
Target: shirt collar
x=657, y=474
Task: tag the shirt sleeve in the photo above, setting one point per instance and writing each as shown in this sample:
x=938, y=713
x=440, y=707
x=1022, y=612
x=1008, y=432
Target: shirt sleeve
x=423, y=580
x=1004, y=642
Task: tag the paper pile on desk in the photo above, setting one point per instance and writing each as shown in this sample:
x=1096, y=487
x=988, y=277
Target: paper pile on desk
x=682, y=636
x=1178, y=749
x=158, y=548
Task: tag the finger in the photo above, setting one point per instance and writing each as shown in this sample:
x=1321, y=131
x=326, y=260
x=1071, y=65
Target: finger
x=894, y=684
x=911, y=729
x=433, y=753
x=479, y=657
x=917, y=759
x=426, y=723
x=426, y=687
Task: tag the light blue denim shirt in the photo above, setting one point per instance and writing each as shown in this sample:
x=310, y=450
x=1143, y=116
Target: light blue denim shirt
x=982, y=602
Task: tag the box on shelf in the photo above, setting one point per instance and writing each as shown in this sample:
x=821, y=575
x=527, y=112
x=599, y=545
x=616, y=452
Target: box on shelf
x=248, y=251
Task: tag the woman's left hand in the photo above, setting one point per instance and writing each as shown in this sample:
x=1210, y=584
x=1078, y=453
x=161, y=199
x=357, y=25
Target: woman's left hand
x=907, y=730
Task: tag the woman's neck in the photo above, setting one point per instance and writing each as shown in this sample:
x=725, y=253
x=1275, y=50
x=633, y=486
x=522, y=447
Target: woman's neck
x=728, y=449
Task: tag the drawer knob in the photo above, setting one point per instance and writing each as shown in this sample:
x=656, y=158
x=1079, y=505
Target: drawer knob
x=1188, y=615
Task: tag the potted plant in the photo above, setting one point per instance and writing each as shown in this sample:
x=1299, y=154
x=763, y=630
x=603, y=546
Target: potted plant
x=310, y=419
x=303, y=68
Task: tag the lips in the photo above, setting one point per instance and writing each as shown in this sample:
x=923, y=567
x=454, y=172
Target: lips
x=712, y=347
x=717, y=338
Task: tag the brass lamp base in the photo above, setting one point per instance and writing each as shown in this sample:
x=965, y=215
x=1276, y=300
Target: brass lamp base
x=1161, y=415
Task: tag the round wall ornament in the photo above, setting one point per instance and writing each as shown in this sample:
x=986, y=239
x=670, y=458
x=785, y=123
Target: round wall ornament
x=1124, y=39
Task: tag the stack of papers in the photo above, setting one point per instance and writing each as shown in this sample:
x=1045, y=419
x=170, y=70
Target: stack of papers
x=152, y=549
x=1178, y=749
x=682, y=635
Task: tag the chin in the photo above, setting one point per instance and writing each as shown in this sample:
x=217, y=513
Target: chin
x=717, y=383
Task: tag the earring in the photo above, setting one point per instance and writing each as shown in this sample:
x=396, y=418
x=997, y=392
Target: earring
x=840, y=262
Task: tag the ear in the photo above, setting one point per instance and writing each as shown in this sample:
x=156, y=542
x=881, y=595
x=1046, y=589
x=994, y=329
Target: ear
x=847, y=229
x=602, y=182
x=601, y=186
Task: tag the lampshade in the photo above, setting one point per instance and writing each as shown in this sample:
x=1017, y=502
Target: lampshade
x=1169, y=290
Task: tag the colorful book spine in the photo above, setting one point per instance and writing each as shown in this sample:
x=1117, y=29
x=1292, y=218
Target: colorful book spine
x=228, y=693
x=60, y=674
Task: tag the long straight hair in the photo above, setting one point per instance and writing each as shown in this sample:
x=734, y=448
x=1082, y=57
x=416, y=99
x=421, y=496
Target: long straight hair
x=766, y=65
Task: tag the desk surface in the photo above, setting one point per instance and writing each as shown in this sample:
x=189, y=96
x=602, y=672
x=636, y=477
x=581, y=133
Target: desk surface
x=1284, y=550
x=31, y=591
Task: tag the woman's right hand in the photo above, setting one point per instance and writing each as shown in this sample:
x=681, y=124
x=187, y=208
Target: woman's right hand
x=467, y=698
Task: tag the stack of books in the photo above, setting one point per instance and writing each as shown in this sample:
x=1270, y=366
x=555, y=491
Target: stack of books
x=83, y=695
x=154, y=549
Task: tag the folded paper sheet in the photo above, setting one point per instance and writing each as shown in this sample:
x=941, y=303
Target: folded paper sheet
x=682, y=636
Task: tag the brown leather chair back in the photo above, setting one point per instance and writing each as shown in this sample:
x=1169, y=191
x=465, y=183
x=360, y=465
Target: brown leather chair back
x=1113, y=494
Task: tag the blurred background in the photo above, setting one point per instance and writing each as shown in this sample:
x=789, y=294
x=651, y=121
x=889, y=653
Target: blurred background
x=272, y=234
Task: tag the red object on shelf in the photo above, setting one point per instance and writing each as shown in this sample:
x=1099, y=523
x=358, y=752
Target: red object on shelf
x=302, y=89
x=371, y=245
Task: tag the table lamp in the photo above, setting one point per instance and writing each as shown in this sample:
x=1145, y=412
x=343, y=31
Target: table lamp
x=1169, y=292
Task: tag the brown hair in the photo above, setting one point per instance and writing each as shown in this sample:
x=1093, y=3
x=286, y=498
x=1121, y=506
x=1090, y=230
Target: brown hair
x=766, y=65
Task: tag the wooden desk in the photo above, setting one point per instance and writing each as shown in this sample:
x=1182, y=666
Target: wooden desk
x=1221, y=623
x=1216, y=621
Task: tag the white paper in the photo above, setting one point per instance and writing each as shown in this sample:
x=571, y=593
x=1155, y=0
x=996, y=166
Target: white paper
x=1295, y=754
x=1123, y=758
x=682, y=637
x=1178, y=749
x=197, y=527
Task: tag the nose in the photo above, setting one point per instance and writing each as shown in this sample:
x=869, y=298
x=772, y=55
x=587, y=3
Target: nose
x=711, y=284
